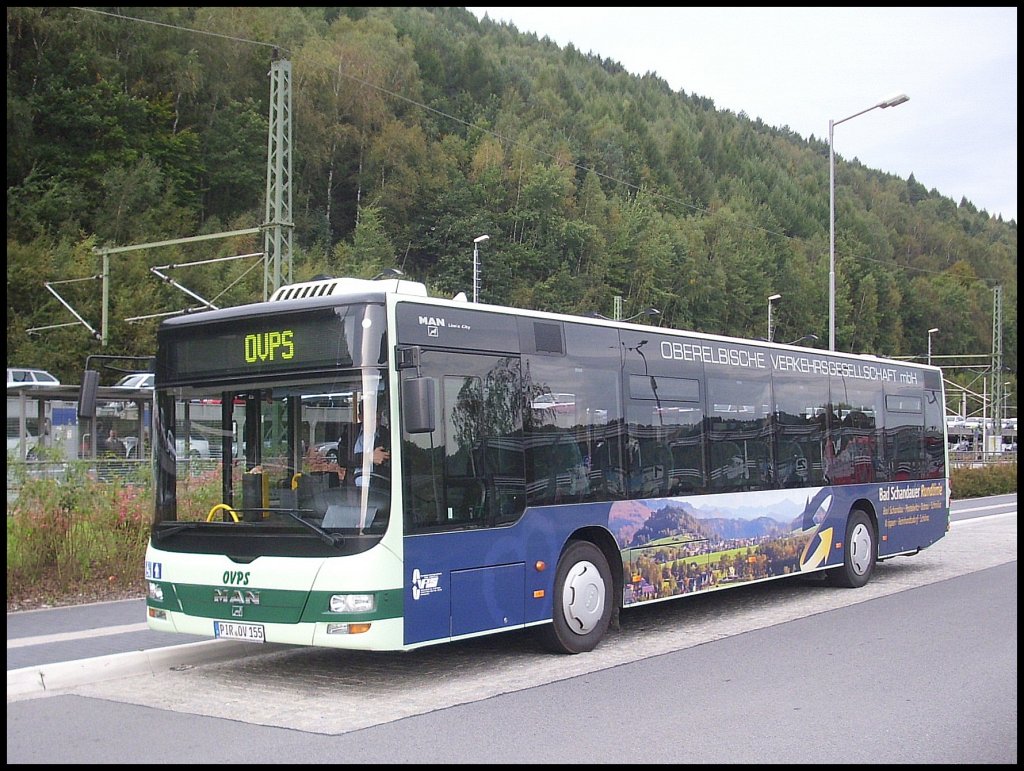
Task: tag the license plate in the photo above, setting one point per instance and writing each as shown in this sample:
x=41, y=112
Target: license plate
x=229, y=630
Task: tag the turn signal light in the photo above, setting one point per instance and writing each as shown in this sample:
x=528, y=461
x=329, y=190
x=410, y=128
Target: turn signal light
x=347, y=628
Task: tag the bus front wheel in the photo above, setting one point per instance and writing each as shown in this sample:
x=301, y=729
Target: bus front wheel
x=859, y=553
x=582, y=600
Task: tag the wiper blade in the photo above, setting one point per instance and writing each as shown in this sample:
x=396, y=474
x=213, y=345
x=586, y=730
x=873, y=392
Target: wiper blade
x=331, y=539
x=170, y=530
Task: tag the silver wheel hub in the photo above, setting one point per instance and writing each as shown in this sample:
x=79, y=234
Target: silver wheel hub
x=583, y=597
x=860, y=549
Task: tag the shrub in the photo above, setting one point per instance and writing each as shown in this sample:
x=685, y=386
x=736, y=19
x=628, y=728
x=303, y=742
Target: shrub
x=78, y=529
x=993, y=479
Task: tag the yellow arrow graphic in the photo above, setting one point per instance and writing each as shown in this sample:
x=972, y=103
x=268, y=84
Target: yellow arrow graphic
x=810, y=561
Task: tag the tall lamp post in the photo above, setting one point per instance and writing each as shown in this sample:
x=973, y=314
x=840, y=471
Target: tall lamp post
x=771, y=298
x=476, y=265
x=890, y=102
x=931, y=332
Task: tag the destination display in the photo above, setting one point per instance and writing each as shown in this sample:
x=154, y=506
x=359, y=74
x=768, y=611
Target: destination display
x=260, y=346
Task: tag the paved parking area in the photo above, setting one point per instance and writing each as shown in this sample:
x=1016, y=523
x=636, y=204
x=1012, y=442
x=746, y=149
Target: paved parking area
x=334, y=692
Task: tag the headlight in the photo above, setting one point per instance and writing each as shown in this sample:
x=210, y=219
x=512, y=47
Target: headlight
x=353, y=603
x=155, y=592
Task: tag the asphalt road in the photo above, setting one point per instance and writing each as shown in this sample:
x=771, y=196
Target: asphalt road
x=918, y=666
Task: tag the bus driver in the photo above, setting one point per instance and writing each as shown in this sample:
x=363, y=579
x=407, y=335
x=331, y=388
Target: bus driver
x=353, y=449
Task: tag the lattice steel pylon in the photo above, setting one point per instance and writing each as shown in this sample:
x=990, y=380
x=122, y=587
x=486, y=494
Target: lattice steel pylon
x=278, y=226
x=997, y=361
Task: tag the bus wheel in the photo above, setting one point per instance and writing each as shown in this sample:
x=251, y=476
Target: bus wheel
x=859, y=554
x=582, y=600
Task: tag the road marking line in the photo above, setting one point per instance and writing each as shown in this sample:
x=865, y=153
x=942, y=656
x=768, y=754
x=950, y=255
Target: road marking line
x=984, y=508
x=44, y=639
x=986, y=518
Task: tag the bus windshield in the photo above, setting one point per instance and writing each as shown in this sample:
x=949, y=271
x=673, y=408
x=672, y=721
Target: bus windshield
x=304, y=461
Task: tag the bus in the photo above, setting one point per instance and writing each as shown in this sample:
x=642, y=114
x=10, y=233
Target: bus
x=528, y=470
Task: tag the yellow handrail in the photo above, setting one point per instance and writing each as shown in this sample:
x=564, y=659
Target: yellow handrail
x=225, y=507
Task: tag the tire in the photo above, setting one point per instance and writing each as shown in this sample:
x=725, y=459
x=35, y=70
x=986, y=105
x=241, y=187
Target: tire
x=860, y=553
x=582, y=600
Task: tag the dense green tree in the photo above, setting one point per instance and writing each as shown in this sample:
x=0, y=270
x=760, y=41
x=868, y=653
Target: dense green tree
x=371, y=250
x=417, y=129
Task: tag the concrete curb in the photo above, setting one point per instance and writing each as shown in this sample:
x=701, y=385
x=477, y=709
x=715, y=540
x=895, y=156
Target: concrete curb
x=45, y=679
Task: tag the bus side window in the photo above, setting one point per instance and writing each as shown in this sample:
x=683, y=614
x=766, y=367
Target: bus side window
x=740, y=433
x=801, y=408
x=934, y=450
x=503, y=486
x=648, y=455
x=857, y=456
x=904, y=436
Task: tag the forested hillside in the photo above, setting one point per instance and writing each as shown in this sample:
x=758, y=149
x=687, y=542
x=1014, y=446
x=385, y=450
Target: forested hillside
x=415, y=130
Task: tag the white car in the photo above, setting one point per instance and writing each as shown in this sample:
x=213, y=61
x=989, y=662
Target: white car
x=138, y=380
x=19, y=378
x=135, y=382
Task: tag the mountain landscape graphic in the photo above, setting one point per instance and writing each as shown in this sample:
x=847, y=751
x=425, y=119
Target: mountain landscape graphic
x=636, y=524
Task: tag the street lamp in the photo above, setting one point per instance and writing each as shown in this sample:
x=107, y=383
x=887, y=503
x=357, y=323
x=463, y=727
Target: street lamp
x=645, y=312
x=931, y=332
x=890, y=102
x=476, y=265
x=770, y=299
x=799, y=340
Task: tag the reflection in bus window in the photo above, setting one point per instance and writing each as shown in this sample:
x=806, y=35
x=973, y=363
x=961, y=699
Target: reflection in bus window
x=739, y=433
x=801, y=408
x=854, y=453
x=904, y=436
x=665, y=436
x=468, y=472
x=572, y=439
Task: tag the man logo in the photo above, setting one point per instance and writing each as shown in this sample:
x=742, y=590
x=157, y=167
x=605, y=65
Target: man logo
x=236, y=596
x=433, y=325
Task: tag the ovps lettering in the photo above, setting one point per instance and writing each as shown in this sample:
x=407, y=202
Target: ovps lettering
x=236, y=577
x=269, y=346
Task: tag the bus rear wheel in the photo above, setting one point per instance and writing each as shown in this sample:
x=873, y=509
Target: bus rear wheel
x=582, y=600
x=859, y=553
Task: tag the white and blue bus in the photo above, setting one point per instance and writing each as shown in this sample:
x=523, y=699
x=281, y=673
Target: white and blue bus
x=528, y=469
